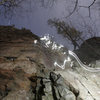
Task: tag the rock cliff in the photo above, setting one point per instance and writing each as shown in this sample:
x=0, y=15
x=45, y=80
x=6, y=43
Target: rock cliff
x=89, y=50
x=27, y=71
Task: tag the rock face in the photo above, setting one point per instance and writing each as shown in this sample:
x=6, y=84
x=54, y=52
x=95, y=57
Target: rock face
x=26, y=68
x=51, y=88
x=27, y=71
x=90, y=50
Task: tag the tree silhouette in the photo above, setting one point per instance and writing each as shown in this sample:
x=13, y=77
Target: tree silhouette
x=67, y=31
x=10, y=4
x=7, y=7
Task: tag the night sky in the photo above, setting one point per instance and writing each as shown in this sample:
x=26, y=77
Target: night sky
x=33, y=16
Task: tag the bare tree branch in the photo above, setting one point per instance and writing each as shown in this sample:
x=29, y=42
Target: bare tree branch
x=7, y=7
x=89, y=7
x=75, y=7
x=91, y=3
x=67, y=31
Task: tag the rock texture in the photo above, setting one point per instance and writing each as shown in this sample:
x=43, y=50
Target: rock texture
x=27, y=71
x=26, y=68
x=85, y=85
x=89, y=51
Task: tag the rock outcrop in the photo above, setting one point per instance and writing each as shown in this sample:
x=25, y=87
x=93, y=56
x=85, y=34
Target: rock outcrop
x=89, y=51
x=26, y=68
x=27, y=71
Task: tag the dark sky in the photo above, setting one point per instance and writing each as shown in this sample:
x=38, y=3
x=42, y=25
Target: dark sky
x=34, y=17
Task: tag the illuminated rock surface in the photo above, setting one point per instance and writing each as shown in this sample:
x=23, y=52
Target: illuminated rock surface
x=27, y=71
